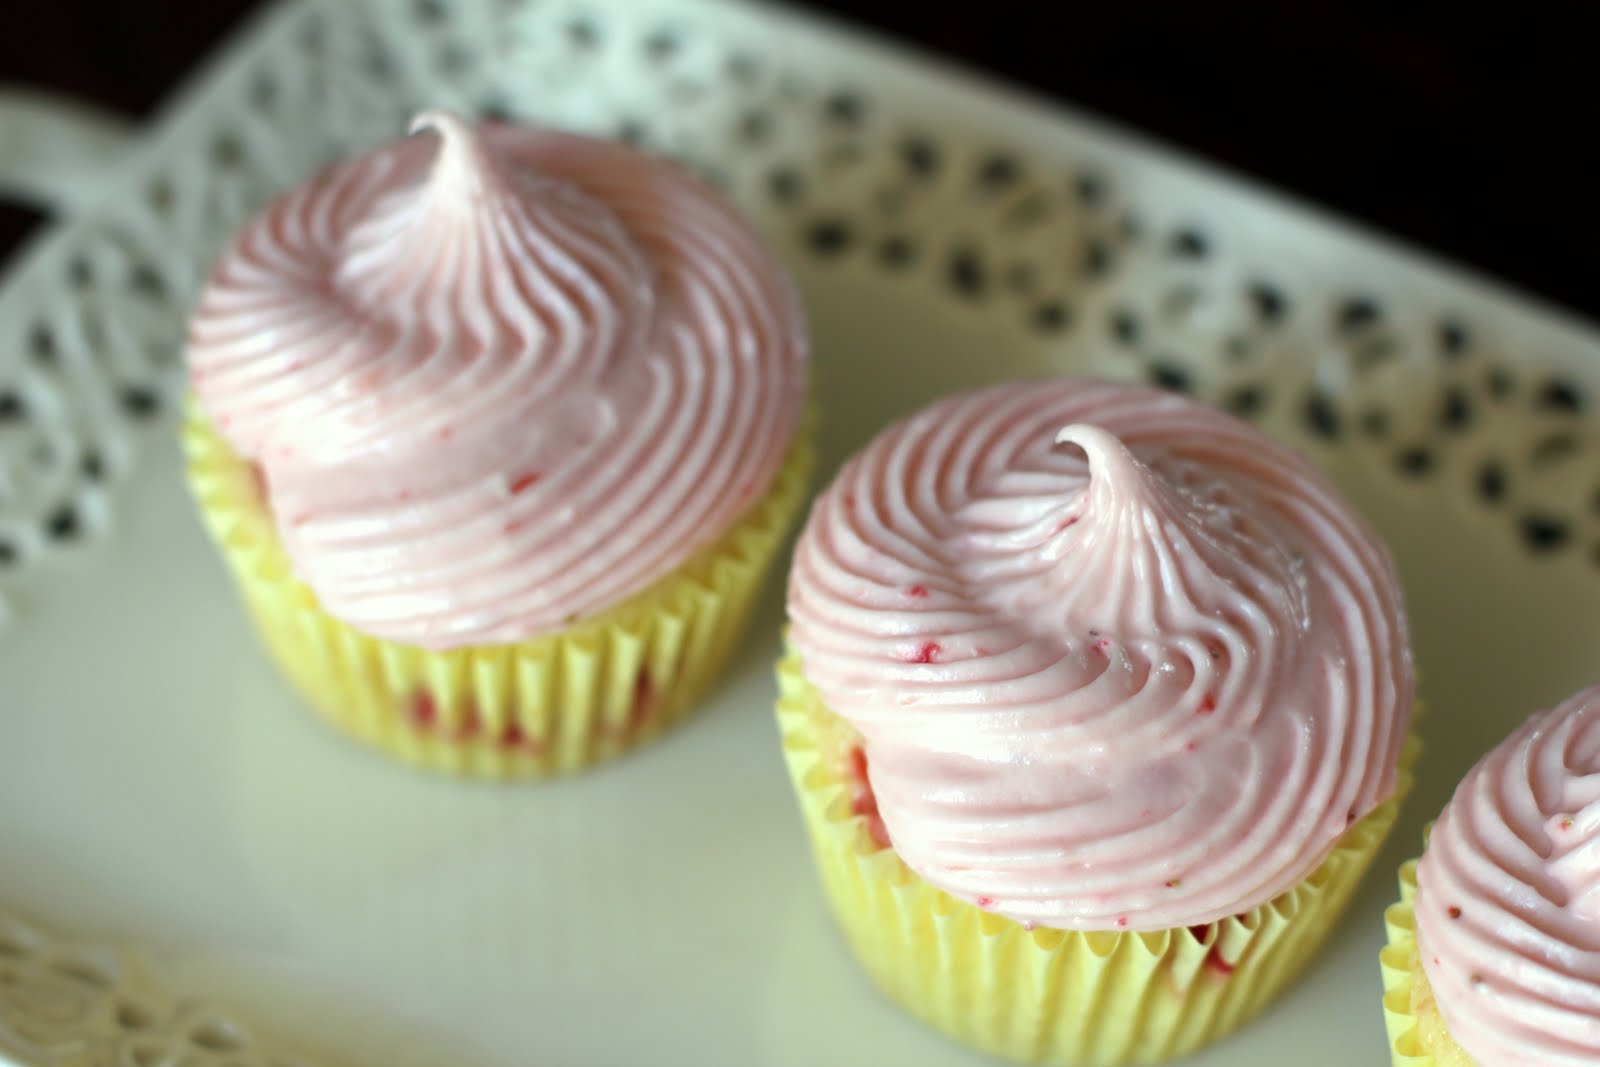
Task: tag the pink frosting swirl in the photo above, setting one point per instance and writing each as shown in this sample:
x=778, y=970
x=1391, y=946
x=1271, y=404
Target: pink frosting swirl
x=499, y=379
x=1508, y=896
x=1117, y=660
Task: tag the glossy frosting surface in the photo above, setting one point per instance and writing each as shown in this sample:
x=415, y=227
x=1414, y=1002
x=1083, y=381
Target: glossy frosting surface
x=1508, y=896
x=498, y=379
x=1117, y=661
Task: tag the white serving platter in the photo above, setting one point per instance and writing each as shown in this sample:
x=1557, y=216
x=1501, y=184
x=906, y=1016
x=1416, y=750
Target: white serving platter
x=194, y=871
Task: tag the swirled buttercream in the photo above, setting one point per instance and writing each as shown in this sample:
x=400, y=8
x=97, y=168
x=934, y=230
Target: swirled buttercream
x=1116, y=660
x=498, y=379
x=1508, y=897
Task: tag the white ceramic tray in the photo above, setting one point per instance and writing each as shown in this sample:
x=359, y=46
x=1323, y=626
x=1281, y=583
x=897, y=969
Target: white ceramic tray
x=162, y=797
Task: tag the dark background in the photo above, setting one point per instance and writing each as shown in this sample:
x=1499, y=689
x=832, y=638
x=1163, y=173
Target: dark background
x=1468, y=133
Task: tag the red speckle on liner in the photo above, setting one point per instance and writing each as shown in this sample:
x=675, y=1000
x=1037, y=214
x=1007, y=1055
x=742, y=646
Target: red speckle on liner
x=918, y=591
x=861, y=798
x=1122, y=921
x=471, y=724
x=645, y=698
x=927, y=652
x=863, y=801
x=985, y=902
x=258, y=482
x=423, y=712
x=525, y=482
x=1217, y=965
x=513, y=736
x=644, y=688
x=1208, y=705
x=1454, y=912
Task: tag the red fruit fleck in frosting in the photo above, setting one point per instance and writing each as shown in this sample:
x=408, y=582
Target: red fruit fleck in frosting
x=927, y=652
x=526, y=481
x=917, y=591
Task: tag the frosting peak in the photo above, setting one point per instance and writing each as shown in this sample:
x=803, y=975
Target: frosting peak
x=508, y=262
x=497, y=378
x=464, y=165
x=1174, y=547
x=1081, y=659
x=1508, y=896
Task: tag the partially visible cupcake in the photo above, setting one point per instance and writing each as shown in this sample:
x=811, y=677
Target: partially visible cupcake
x=1097, y=706
x=1494, y=949
x=498, y=430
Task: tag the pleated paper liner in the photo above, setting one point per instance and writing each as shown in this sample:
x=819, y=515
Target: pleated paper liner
x=1418, y=1036
x=1052, y=996
x=549, y=705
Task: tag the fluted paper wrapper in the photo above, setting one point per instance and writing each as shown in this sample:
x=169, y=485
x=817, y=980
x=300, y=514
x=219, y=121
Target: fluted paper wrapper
x=1410, y=1036
x=1051, y=996
x=549, y=705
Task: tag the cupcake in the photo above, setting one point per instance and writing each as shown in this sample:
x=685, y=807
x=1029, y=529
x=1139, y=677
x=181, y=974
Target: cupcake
x=1097, y=705
x=498, y=431
x=1494, y=949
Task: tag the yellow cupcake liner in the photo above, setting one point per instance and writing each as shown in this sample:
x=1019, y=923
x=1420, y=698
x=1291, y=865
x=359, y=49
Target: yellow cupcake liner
x=1088, y=999
x=545, y=706
x=1418, y=1036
